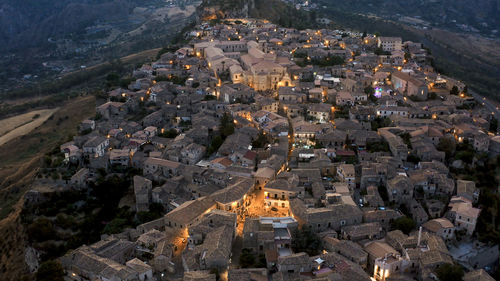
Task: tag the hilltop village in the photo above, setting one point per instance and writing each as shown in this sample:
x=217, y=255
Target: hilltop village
x=279, y=154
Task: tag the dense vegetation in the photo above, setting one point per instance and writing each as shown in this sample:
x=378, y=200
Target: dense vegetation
x=226, y=128
x=306, y=240
x=249, y=259
x=450, y=272
x=405, y=224
x=69, y=219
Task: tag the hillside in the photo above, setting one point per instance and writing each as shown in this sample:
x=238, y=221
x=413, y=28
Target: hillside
x=30, y=23
x=42, y=39
x=22, y=158
x=273, y=10
x=459, y=15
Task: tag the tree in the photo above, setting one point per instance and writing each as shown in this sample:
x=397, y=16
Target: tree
x=447, y=145
x=50, y=271
x=405, y=224
x=454, y=91
x=170, y=134
x=261, y=141
x=261, y=261
x=305, y=240
x=214, y=146
x=156, y=211
x=493, y=125
x=247, y=258
x=383, y=192
x=406, y=137
x=369, y=90
x=115, y=226
x=375, y=146
x=465, y=155
x=209, y=97
x=450, y=272
x=380, y=122
x=226, y=125
x=407, y=56
x=412, y=158
x=41, y=230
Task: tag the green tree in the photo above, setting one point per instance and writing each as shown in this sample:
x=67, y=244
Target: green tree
x=305, y=240
x=247, y=258
x=383, y=192
x=380, y=122
x=172, y=133
x=156, y=211
x=405, y=224
x=466, y=155
x=369, y=90
x=407, y=56
x=209, y=97
x=412, y=158
x=454, y=91
x=226, y=125
x=214, y=146
x=115, y=226
x=261, y=261
x=377, y=146
x=41, y=230
x=50, y=271
x=448, y=145
x=493, y=125
x=450, y=272
x=261, y=141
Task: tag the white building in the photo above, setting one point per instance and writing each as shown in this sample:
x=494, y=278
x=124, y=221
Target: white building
x=390, y=44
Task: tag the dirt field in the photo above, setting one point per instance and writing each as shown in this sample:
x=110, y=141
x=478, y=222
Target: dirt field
x=21, y=125
x=9, y=124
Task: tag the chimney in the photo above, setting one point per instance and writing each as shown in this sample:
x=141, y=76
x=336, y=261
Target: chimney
x=419, y=236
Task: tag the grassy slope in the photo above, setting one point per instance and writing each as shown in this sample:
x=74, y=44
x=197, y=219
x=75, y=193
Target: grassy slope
x=21, y=155
x=12, y=247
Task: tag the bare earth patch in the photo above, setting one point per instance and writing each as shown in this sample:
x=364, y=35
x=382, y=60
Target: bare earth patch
x=21, y=125
x=9, y=124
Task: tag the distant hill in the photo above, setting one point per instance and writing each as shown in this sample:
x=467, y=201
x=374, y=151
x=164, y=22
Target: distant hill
x=43, y=38
x=29, y=23
x=479, y=15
